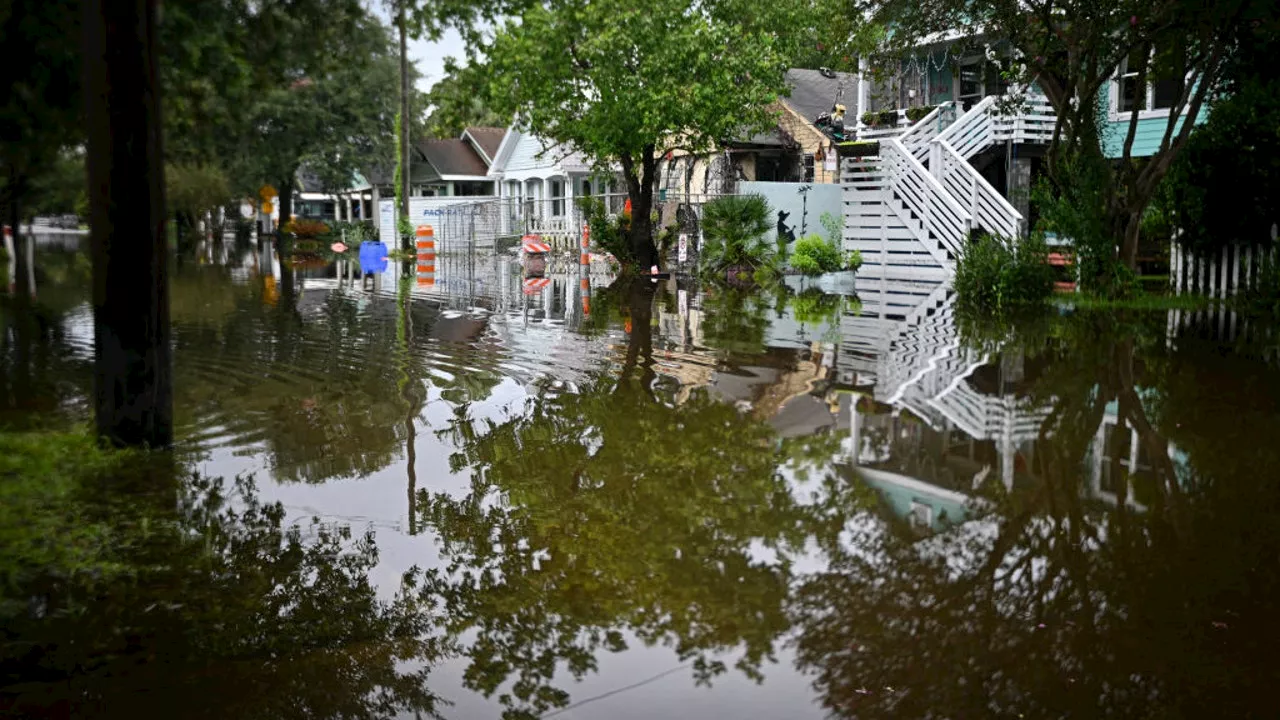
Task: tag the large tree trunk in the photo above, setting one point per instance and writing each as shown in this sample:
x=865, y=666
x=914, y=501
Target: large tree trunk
x=286, y=208
x=406, y=239
x=21, y=261
x=640, y=191
x=132, y=356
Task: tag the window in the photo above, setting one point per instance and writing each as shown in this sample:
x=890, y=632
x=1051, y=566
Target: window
x=557, y=198
x=809, y=164
x=1161, y=93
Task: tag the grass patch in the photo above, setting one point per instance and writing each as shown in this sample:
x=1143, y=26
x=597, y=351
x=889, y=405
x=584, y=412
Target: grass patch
x=47, y=525
x=1141, y=301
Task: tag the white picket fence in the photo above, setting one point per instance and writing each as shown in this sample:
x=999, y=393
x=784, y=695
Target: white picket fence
x=1220, y=274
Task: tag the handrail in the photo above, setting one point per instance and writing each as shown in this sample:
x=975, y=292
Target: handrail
x=971, y=132
x=937, y=211
x=917, y=137
x=1004, y=216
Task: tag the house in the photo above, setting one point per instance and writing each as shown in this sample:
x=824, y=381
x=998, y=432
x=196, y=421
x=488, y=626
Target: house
x=443, y=172
x=950, y=161
x=541, y=183
x=794, y=150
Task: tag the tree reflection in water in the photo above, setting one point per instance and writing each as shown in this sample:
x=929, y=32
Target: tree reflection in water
x=200, y=602
x=1050, y=601
x=607, y=512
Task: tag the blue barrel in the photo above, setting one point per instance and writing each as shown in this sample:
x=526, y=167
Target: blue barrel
x=373, y=257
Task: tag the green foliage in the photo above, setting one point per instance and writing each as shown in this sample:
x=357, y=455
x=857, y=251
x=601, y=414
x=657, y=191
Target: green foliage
x=995, y=276
x=194, y=189
x=814, y=255
x=113, y=560
x=733, y=229
x=624, y=84
x=853, y=260
x=40, y=93
x=916, y=114
x=834, y=226
x=1225, y=186
x=608, y=233
x=883, y=118
x=59, y=187
x=815, y=307
x=42, y=476
x=460, y=100
x=1262, y=298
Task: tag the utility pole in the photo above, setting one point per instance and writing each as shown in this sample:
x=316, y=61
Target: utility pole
x=133, y=372
x=406, y=241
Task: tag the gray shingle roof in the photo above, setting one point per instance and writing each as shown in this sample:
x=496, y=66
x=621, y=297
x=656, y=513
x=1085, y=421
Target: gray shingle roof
x=452, y=157
x=812, y=92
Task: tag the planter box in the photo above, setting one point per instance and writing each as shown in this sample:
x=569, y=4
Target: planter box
x=862, y=148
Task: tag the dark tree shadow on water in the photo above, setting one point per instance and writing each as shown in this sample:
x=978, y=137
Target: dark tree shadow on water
x=194, y=599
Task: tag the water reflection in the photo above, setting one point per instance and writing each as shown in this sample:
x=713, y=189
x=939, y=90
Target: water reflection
x=1120, y=573
x=194, y=599
x=918, y=514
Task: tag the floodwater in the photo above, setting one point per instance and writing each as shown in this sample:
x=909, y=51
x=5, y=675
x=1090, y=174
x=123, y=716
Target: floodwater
x=495, y=497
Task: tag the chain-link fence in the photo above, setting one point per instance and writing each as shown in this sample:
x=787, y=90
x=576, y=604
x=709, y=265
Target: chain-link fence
x=491, y=224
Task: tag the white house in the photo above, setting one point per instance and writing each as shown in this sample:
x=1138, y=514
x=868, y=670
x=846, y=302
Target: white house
x=540, y=181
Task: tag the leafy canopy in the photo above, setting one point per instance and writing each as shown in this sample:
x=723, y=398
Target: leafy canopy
x=612, y=78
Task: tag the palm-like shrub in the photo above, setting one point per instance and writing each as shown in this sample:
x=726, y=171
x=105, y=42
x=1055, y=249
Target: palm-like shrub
x=733, y=229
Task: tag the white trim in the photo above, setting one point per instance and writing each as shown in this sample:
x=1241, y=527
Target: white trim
x=475, y=145
x=467, y=178
x=1113, y=100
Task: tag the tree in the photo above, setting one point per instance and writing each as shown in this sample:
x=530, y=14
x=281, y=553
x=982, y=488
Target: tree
x=133, y=364
x=1071, y=49
x=460, y=100
x=627, y=84
x=324, y=80
x=1225, y=188
x=40, y=102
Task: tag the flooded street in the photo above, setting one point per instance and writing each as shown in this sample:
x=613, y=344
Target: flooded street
x=491, y=497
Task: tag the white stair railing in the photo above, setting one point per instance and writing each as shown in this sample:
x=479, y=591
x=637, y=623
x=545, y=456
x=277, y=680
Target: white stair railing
x=923, y=204
x=917, y=137
x=972, y=132
x=987, y=208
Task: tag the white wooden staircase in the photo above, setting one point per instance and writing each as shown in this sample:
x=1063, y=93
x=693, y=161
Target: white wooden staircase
x=910, y=209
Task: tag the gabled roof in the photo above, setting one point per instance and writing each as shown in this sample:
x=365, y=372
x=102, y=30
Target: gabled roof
x=486, y=141
x=815, y=91
x=453, y=158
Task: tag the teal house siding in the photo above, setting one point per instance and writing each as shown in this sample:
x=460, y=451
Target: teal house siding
x=939, y=85
x=1146, y=141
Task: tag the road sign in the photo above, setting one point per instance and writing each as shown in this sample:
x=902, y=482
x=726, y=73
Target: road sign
x=266, y=192
x=268, y=208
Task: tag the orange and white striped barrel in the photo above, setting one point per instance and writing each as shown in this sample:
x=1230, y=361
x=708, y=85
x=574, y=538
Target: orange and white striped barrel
x=426, y=255
x=585, y=292
x=585, y=259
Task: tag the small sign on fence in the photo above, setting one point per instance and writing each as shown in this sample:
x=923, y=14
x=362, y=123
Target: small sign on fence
x=683, y=301
x=683, y=247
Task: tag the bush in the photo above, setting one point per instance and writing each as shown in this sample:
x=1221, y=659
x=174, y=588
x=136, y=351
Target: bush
x=814, y=255
x=608, y=234
x=883, y=118
x=733, y=229
x=308, y=229
x=994, y=275
x=1262, y=298
x=916, y=114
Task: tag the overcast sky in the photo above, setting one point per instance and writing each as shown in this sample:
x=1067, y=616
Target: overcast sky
x=426, y=55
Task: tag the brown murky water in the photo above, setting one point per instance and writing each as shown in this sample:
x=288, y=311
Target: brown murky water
x=488, y=498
